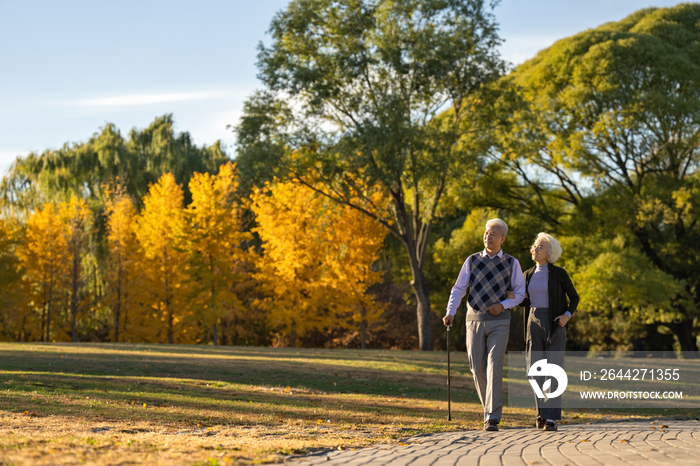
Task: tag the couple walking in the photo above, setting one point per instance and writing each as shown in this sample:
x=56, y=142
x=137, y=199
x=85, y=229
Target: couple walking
x=496, y=284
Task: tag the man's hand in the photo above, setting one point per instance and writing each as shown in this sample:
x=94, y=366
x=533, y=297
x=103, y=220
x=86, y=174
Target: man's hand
x=447, y=320
x=562, y=319
x=495, y=309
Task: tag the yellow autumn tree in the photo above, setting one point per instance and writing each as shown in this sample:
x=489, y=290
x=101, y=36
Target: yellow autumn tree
x=317, y=259
x=76, y=218
x=160, y=231
x=214, y=247
x=291, y=267
x=123, y=274
x=43, y=255
x=355, y=242
x=16, y=322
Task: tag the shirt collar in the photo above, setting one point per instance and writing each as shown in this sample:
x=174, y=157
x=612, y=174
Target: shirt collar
x=486, y=254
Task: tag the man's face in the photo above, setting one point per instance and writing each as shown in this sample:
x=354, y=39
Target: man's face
x=493, y=238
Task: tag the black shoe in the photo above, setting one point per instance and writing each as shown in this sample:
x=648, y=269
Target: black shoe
x=539, y=423
x=491, y=425
x=550, y=426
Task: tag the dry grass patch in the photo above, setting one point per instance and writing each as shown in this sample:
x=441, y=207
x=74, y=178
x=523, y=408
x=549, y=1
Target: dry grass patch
x=157, y=404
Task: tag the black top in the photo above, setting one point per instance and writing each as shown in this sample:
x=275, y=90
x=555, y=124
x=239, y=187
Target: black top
x=560, y=287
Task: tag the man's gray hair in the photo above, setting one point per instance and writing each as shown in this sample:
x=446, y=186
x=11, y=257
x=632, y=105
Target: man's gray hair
x=500, y=224
x=553, y=247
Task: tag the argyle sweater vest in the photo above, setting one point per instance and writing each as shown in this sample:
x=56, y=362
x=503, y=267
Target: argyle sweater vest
x=490, y=283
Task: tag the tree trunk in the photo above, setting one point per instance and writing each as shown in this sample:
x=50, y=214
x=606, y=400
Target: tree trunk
x=126, y=316
x=168, y=311
x=43, y=322
x=423, y=299
x=118, y=305
x=363, y=329
x=75, y=276
x=293, y=336
x=223, y=339
x=236, y=336
x=212, y=293
x=48, y=310
x=48, y=321
x=423, y=314
x=684, y=332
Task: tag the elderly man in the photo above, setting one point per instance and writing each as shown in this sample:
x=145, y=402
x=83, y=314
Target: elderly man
x=489, y=276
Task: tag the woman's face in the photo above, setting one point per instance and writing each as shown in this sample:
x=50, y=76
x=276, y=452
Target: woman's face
x=539, y=251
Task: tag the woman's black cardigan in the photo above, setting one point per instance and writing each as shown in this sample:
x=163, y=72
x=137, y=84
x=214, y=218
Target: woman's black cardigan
x=560, y=287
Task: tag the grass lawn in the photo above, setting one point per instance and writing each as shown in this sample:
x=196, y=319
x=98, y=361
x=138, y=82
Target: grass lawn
x=159, y=404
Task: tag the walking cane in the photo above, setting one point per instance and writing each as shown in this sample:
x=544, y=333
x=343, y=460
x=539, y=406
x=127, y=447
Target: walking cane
x=449, y=408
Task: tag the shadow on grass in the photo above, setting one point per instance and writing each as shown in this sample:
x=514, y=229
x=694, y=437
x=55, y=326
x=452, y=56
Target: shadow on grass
x=233, y=385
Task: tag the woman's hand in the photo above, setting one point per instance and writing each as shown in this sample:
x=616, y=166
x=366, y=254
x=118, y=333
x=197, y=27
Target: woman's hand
x=510, y=295
x=562, y=319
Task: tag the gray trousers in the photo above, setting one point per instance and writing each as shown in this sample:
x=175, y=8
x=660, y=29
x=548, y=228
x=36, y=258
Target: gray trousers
x=538, y=330
x=486, y=348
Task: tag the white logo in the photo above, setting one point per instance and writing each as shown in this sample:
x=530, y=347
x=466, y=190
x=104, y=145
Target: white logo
x=542, y=369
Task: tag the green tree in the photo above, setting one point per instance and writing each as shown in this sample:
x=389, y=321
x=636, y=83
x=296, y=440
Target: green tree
x=84, y=169
x=611, y=118
x=368, y=80
x=162, y=151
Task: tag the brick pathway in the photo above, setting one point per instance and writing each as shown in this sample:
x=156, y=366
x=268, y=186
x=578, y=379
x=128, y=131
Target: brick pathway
x=638, y=443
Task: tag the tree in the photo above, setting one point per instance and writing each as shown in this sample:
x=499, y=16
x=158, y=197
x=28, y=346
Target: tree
x=355, y=241
x=160, y=231
x=43, y=255
x=214, y=245
x=291, y=227
x=316, y=263
x=76, y=217
x=162, y=151
x=369, y=80
x=83, y=169
x=16, y=321
x=617, y=108
x=619, y=283
x=123, y=273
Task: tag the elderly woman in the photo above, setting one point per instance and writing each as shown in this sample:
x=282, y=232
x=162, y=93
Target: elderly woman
x=547, y=289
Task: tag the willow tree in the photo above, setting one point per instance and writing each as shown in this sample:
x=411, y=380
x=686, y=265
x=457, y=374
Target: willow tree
x=354, y=93
x=616, y=110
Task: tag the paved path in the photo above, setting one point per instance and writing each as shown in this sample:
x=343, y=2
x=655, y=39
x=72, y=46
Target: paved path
x=638, y=443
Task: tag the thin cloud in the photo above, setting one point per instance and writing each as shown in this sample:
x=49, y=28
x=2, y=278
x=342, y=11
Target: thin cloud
x=146, y=99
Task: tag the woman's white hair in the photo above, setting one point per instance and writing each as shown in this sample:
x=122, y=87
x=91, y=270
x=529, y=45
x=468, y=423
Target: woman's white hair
x=553, y=247
x=501, y=225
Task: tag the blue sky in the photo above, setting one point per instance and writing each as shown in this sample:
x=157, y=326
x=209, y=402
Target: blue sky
x=69, y=67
